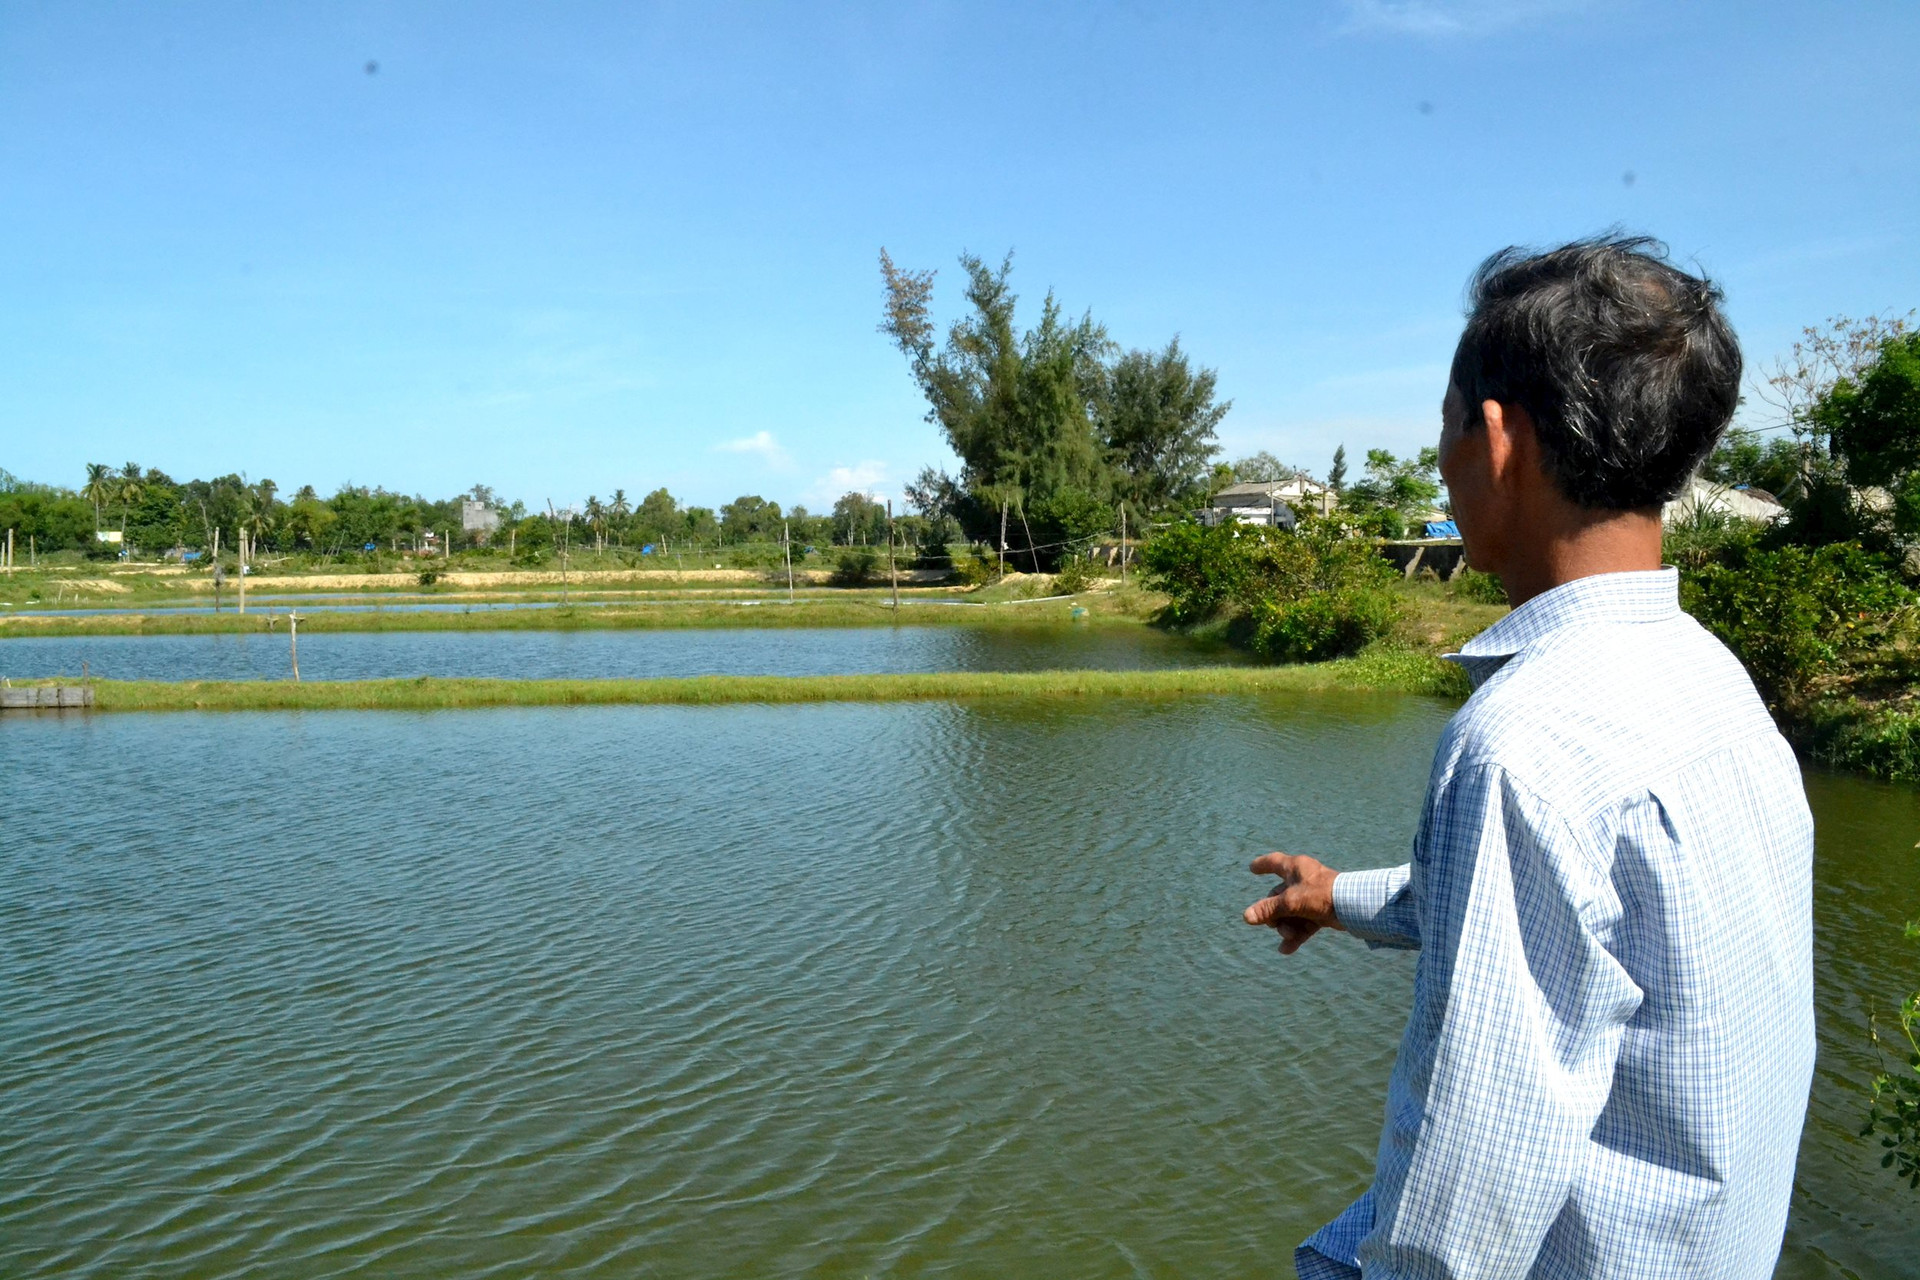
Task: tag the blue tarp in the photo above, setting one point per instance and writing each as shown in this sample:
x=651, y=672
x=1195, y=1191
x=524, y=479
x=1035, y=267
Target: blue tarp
x=1442, y=529
x=647, y=550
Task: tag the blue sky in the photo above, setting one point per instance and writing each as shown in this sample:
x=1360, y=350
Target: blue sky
x=564, y=248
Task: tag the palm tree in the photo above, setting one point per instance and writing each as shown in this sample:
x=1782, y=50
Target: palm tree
x=99, y=488
x=128, y=490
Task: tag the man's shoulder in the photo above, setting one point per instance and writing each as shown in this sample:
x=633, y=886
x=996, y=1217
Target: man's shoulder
x=1586, y=715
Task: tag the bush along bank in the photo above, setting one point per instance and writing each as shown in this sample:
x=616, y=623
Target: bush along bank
x=1306, y=595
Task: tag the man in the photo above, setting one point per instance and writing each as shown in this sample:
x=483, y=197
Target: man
x=1606, y=1065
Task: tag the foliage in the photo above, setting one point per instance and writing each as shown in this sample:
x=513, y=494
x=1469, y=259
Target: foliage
x=1261, y=467
x=1404, y=486
x=1073, y=576
x=1483, y=588
x=750, y=518
x=1894, y=1112
x=1322, y=624
x=1156, y=416
x=1052, y=425
x=1312, y=593
x=1873, y=421
x=1797, y=615
x=1337, y=473
x=1743, y=458
x=858, y=520
x=854, y=567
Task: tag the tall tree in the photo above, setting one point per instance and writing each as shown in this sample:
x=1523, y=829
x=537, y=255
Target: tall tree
x=1157, y=417
x=1014, y=406
x=100, y=488
x=1337, y=473
x=1263, y=467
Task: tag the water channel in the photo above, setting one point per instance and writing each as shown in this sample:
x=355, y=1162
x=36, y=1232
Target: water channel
x=842, y=990
x=593, y=654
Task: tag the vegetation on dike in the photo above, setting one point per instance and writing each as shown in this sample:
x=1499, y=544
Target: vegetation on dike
x=1894, y=1111
x=1394, y=671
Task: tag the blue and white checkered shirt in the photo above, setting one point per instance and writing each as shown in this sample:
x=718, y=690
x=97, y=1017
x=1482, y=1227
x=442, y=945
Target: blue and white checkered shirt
x=1606, y=1066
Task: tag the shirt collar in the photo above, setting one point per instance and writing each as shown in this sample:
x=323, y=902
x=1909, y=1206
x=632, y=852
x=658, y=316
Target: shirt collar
x=1647, y=595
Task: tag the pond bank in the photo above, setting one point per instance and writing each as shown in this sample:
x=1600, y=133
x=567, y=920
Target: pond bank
x=1387, y=671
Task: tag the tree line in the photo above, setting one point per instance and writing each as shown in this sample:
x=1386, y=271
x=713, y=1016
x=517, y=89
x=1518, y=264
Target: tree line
x=154, y=515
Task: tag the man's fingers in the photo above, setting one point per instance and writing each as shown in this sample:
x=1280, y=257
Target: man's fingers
x=1293, y=933
x=1282, y=902
x=1273, y=864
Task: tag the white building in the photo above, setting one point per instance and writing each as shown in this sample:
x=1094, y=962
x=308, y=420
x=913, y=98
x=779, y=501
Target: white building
x=1743, y=501
x=1268, y=502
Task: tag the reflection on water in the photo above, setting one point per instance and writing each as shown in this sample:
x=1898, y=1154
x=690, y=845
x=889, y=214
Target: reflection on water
x=542, y=655
x=835, y=990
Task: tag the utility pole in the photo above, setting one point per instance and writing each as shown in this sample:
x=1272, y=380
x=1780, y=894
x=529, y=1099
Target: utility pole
x=892, y=573
x=786, y=542
x=1003, y=537
x=243, y=569
x=293, y=642
x=1123, y=546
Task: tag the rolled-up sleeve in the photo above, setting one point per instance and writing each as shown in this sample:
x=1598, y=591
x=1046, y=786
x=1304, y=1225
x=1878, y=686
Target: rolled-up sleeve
x=1509, y=1054
x=1378, y=907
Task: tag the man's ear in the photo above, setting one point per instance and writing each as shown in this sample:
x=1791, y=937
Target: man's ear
x=1511, y=446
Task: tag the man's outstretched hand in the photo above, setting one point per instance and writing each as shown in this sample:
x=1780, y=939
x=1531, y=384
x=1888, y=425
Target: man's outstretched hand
x=1301, y=904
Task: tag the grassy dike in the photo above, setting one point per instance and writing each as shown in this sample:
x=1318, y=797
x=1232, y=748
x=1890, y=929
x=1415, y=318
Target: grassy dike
x=1385, y=670
x=610, y=617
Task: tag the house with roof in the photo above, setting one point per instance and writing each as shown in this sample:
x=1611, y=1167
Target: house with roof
x=1268, y=502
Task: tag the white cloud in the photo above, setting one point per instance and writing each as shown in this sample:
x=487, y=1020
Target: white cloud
x=863, y=477
x=1440, y=18
x=762, y=443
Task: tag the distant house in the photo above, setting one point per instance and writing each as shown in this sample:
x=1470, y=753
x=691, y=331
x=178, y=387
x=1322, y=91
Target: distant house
x=1268, y=502
x=478, y=519
x=1744, y=501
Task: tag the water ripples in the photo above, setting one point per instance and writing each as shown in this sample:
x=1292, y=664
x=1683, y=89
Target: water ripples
x=835, y=990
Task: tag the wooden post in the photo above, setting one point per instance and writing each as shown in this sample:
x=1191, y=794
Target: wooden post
x=293, y=642
x=1003, y=537
x=892, y=573
x=1123, y=546
x=9, y=551
x=786, y=543
x=33, y=553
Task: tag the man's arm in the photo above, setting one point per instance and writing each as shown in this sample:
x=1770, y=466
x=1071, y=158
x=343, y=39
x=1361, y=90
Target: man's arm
x=1509, y=1053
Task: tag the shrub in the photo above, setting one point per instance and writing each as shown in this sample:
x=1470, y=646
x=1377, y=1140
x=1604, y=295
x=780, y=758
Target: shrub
x=977, y=571
x=1796, y=615
x=1894, y=1112
x=429, y=576
x=1325, y=624
x=1074, y=576
x=1484, y=588
x=854, y=567
x=1316, y=592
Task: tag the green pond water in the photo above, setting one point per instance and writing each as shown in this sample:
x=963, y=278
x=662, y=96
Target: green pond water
x=803, y=991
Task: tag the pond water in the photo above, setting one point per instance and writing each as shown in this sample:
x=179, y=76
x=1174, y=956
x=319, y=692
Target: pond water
x=831, y=990
x=590, y=654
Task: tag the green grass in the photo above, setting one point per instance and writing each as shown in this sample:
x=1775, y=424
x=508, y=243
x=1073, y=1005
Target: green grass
x=1861, y=737
x=1387, y=672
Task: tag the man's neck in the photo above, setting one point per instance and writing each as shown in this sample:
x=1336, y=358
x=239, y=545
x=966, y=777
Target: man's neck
x=1579, y=544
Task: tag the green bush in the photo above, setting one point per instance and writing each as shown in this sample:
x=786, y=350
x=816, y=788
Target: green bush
x=1484, y=588
x=854, y=567
x=1323, y=625
x=1075, y=576
x=1894, y=1113
x=1318, y=591
x=976, y=570
x=1796, y=615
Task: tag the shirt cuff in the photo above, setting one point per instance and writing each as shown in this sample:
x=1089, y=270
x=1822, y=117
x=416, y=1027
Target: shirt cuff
x=1377, y=906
